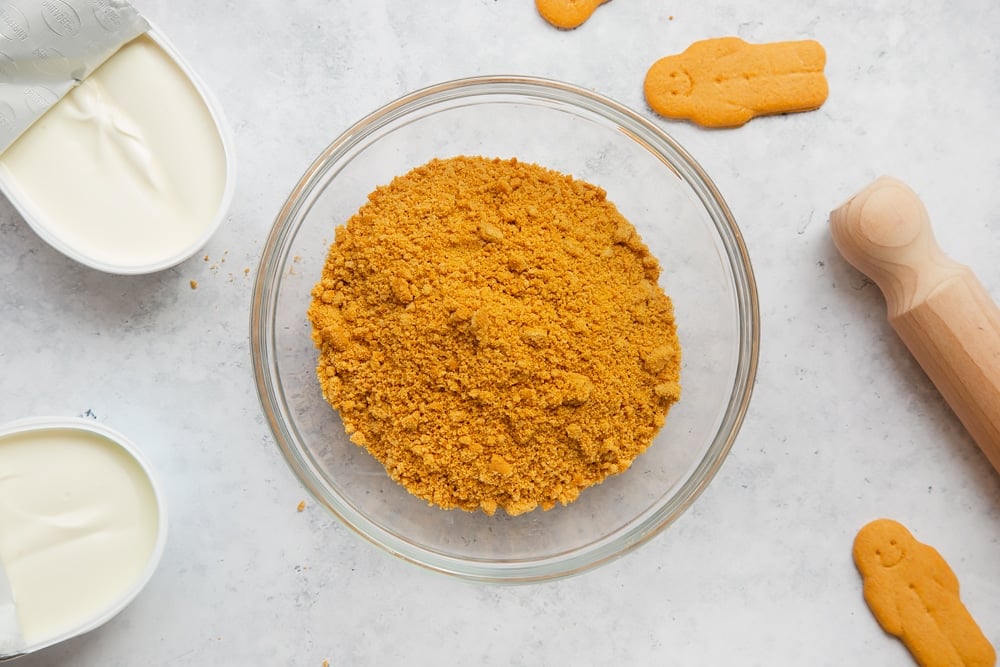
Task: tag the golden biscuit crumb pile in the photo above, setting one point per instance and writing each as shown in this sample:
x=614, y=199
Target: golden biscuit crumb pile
x=494, y=334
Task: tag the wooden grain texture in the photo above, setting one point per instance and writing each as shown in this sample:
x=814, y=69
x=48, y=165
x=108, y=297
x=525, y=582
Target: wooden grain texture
x=940, y=310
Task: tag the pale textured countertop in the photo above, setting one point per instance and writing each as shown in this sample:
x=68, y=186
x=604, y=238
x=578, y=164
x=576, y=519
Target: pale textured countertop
x=843, y=427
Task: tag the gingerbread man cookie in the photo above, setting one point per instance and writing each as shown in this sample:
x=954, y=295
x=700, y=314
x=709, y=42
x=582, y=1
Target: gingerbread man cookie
x=724, y=82
x=567, y=14
x=914, y=595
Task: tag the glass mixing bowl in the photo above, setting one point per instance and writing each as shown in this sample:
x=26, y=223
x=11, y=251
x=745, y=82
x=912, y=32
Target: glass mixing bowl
x=681, y=217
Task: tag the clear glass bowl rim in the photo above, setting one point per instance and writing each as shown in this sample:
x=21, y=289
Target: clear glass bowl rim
x=674, y=156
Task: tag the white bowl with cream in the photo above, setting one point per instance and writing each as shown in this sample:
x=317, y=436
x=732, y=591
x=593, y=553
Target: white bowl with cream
x=82, y=527
x=133, y=170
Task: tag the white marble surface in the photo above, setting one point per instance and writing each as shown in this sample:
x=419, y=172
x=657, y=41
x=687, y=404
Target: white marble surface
x=843, y=426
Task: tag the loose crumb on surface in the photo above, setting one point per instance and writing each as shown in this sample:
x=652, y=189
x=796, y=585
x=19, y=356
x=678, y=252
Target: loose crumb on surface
x=301, y=506
x=194, y=284
x=494, y=333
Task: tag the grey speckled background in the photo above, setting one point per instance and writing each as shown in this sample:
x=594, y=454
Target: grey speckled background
x=843, y=426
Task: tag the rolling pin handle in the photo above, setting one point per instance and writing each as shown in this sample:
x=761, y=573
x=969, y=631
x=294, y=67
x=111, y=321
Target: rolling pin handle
x=940, y=310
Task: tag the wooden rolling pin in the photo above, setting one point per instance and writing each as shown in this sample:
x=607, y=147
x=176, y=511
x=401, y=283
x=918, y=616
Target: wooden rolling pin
x=937, y=306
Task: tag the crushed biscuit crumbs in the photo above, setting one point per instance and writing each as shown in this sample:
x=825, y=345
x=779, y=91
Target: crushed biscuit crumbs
x=494, y=333
x=194, y=284
x=301, y=506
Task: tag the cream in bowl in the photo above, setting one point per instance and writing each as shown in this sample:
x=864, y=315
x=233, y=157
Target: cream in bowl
x=82, y=528
x=132, y=170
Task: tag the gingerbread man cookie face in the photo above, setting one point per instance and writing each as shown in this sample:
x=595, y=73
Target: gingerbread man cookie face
x=882, y=548
x=677, y=84
x=914, y=595
x=725, y=82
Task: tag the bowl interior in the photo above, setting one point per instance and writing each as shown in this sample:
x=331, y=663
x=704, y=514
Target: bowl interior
x=680, y=217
